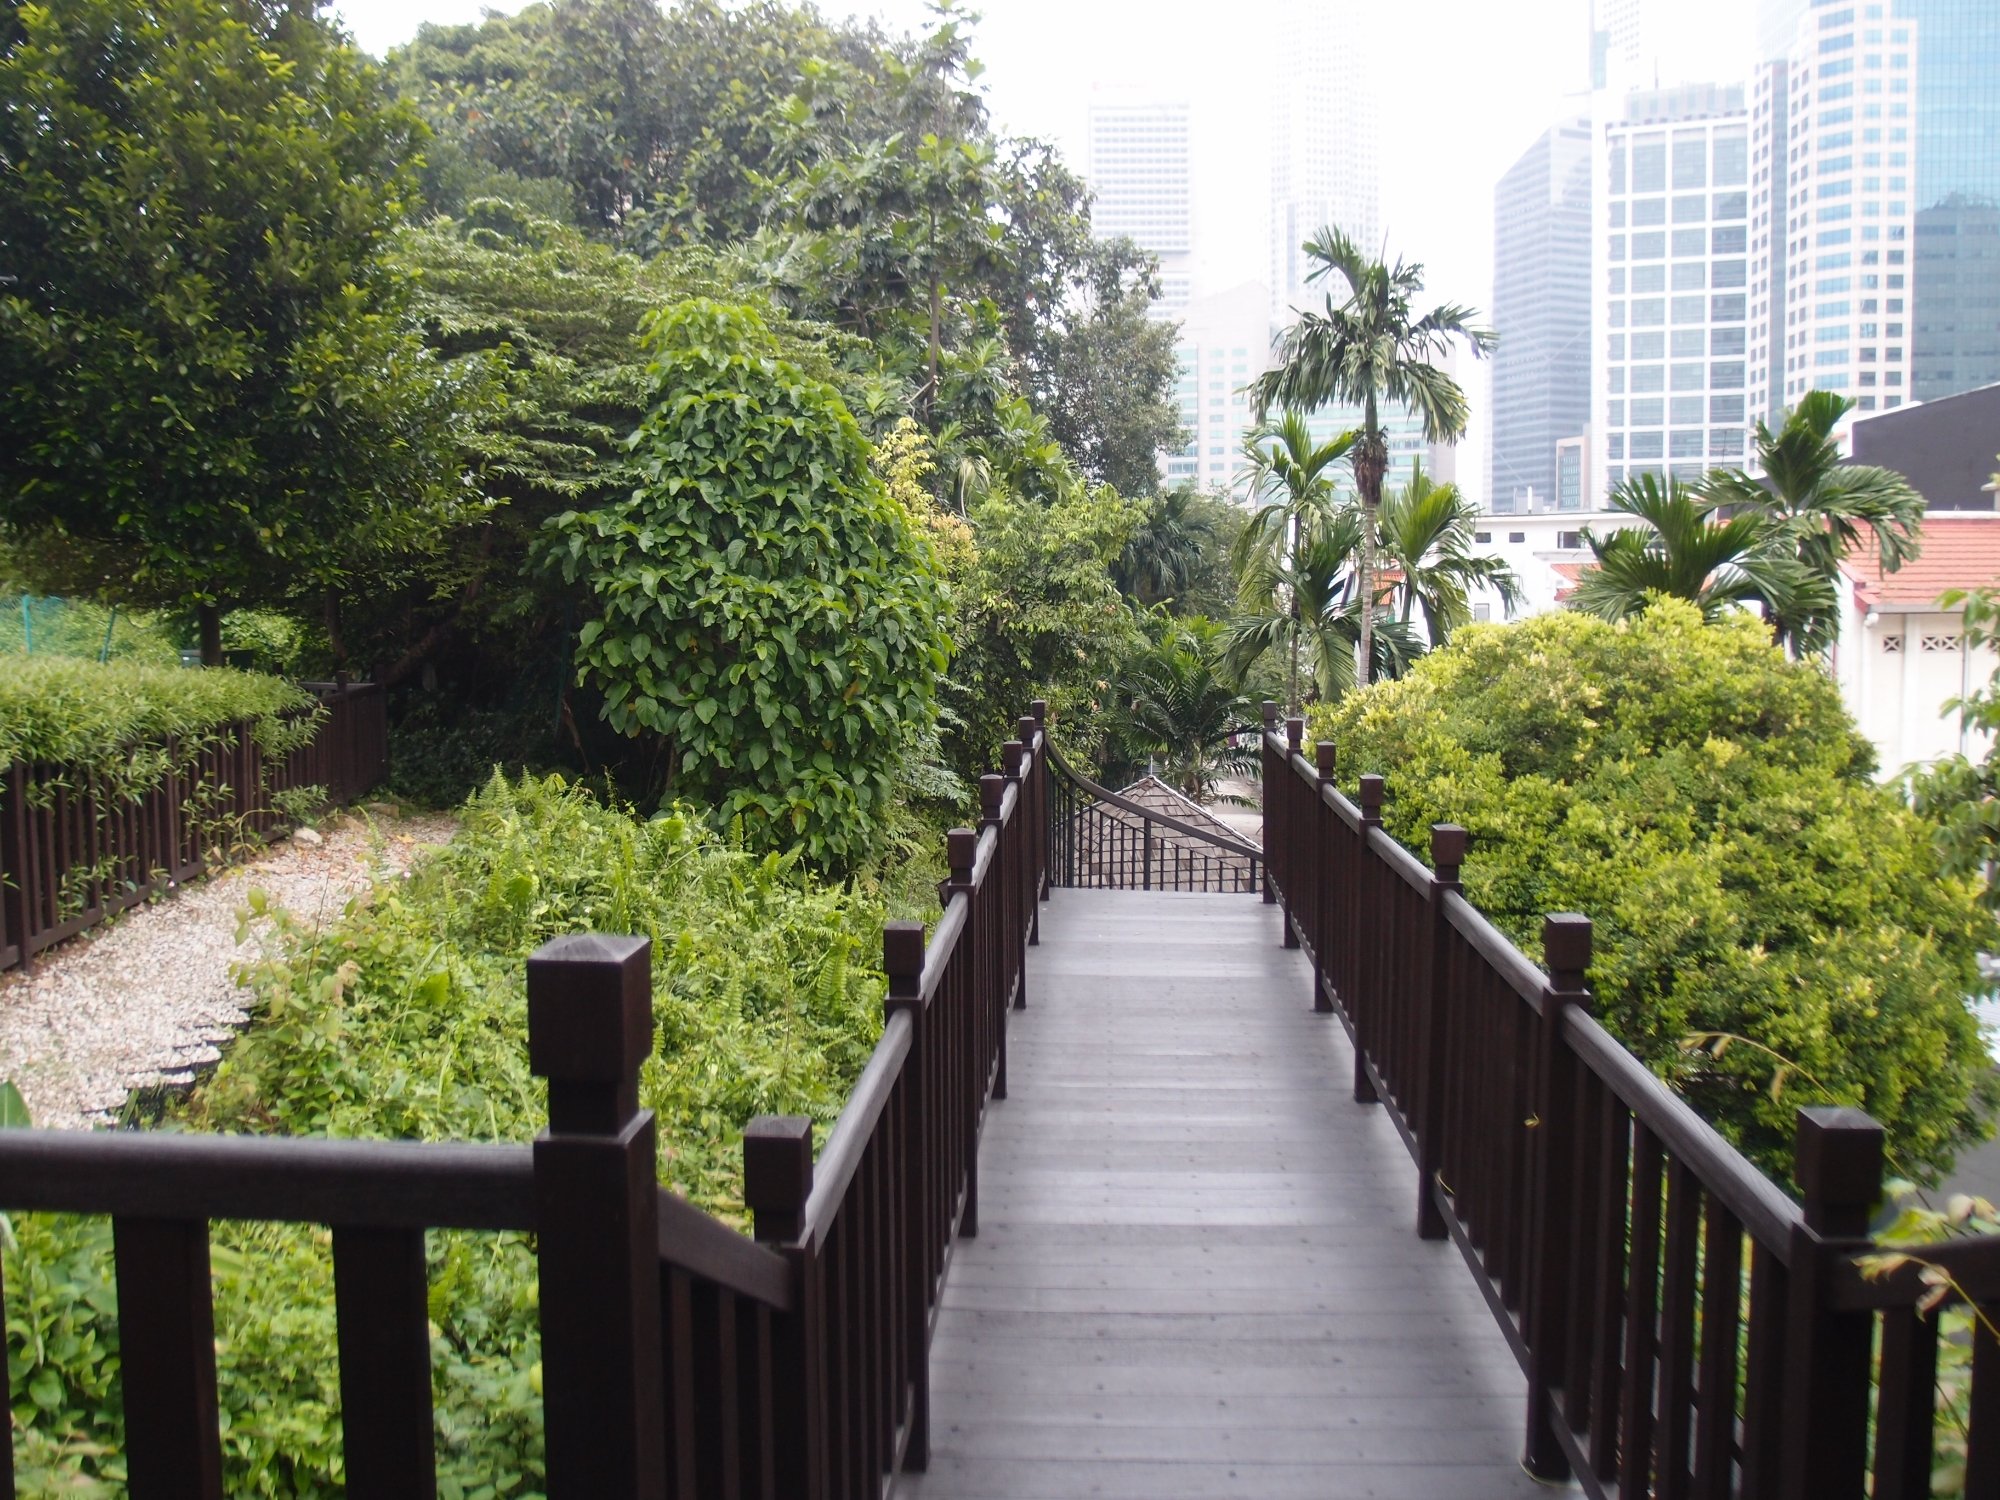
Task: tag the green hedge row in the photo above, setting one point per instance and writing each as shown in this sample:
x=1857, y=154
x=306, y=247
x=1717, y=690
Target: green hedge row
x=64, y=711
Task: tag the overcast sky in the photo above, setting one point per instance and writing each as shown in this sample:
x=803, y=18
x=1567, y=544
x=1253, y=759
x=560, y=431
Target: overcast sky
x=1466, y=85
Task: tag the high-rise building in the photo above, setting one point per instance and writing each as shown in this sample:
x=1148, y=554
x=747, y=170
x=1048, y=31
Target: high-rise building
x=1325, y=143
x=1541, y=315
x=1831, y=245
x=1955, y=257
x=1670, y=302
x=1945, y=56
x=1225, y=344
x=1142, y=189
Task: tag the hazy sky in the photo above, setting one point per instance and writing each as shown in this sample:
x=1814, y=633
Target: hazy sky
x=1466, y=85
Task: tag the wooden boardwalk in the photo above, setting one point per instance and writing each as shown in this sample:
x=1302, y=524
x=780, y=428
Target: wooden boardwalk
x=1197, y=1272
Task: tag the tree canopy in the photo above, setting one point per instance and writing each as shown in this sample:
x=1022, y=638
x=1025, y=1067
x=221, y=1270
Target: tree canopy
x=210, y=393
x=1772, y=927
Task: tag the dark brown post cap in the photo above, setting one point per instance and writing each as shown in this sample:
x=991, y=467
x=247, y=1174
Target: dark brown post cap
x=1566, y=946
x=1837, y=1158
x=1448, y=842
x=590, y=1008
x=1323, y=757
x=778, y=1173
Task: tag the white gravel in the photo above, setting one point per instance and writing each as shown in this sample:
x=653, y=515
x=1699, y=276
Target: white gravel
x=150, y=997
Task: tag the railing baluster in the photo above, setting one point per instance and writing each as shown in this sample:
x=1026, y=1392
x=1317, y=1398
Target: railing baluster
x=166, y=1340
x=1566, y=940
x=1906, y=1408
x=382, y=1315
x=1721, y=1316
x=777, y=1180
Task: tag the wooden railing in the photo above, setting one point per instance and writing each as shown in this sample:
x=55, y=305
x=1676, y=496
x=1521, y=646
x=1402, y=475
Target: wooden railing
x=75, y=852
x=1102, y=840
x=1687, y=1329
x=678, y=1357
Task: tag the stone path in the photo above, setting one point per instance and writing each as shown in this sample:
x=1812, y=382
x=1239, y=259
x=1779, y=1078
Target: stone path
x=148, y=999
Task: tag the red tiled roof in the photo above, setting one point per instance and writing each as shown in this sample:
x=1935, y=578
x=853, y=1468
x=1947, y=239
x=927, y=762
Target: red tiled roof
x=1958, y=552
x=1571, y=574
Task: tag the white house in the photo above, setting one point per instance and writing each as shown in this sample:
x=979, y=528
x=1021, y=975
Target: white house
x=1901, y=656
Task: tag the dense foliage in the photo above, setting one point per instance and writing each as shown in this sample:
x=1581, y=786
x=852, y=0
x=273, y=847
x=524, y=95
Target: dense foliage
x=762, y=605
x=209, y=395
x=1709, y=805
x=71, y=712
x=408, y=1019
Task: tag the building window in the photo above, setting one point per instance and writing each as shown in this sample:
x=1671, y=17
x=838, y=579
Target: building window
x=1482, y=538
x=1517, y=536
x=1892, y=645
x=1569, y=541
x=1939, y=643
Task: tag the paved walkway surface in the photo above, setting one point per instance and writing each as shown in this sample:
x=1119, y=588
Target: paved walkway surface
x=1197, y=1272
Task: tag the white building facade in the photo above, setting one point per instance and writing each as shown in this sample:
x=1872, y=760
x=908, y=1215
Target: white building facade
x=1670, y=300
x=1836, y=211
x=1142, y=189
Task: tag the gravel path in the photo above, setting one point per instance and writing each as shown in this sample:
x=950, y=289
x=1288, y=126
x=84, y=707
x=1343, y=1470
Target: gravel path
x=148, y=998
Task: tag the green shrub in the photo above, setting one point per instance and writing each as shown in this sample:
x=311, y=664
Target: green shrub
x=86, y=714
x=1709, y=805
x=762, y=603
x=80, y=628
x=408, y=1019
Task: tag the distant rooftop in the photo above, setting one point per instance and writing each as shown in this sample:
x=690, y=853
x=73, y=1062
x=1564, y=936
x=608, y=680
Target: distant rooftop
x=1959, y=552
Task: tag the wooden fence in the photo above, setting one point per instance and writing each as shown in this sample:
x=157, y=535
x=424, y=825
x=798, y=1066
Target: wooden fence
x=679, y=1358
x=1686, y=1327
x=74, y=852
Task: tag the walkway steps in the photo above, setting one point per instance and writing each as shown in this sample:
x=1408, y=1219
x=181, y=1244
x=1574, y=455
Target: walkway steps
x=1197, y=1272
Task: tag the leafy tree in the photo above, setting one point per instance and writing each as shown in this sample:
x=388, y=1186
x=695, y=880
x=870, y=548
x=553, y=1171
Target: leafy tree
x=762, y=606
x=1039, y=616
x=1175, y=704
x=1427, y=535
x=1177, y=554
x=1710, y=806
x=1820, y=510
x=653, y=124
x=1370, y=350
x=209, y=394
x=1684, y=552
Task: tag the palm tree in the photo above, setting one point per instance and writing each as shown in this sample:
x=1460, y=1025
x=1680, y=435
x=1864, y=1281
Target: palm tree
x=1819, y=509
x=1426, y=533
x=1179, y=708
x=1685, y=552
x=1289, y=476
x=1165, y=554
x=1369, y=351
x=1306, y=602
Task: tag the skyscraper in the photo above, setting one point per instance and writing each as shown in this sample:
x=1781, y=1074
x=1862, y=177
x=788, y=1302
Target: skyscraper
x=1671, y=302
x=1955, y=285
x=1325, y=144
x=1141, y=185
x=1831, y=243
x=1541, y=314
x=1945, y=169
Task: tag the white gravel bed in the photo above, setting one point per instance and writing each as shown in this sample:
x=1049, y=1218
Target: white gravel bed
x=149, y=998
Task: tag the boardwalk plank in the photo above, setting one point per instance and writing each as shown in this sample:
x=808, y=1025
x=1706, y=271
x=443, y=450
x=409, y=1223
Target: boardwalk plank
x=1196, y=1272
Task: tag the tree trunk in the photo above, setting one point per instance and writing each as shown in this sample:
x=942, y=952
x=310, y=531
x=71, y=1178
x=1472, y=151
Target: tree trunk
x=1370, y=463
x=1294, y=707
x=208, y=621
x=335, y=640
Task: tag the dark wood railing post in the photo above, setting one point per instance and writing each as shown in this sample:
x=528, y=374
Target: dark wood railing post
x=777, y=1180
x=1044, y=855
x=903, y=963
x=1273, y=795
x=1298, y=831
x=1448, y=842
x=1322, y=856
x=1372, y=933
x=590, y=1026
x=1837, y=1159
x=1566, y=942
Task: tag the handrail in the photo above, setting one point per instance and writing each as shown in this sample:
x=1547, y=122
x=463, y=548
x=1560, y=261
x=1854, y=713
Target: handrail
x=691, y=1241
x=1768, y=1213
x=840, y=1158
x=1125, y=804
x=162, y=1175
x=1685, y=1325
